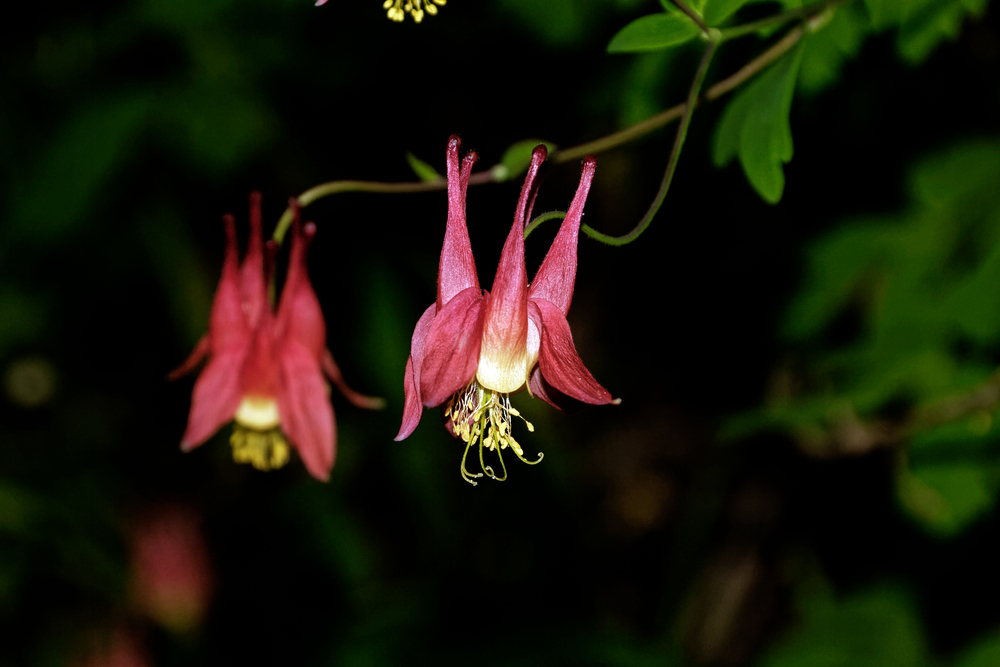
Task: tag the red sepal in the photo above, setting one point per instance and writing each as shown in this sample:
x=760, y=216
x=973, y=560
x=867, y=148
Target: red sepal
x=559, y=362
x=412, y=405
x=451, y=351
x=305, y=409
x=555, y=278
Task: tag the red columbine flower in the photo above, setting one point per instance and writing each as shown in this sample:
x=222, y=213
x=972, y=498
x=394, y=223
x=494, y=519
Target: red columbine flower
x=265, y=370
x=171, y=575
x=471, y=349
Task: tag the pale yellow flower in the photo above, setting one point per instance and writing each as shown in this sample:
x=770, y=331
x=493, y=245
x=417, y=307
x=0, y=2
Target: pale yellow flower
x=398, y=9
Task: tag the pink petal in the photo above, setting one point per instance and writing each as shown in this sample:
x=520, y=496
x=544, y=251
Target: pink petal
x=306, y=413
x=332, y=371
x=217, y=393
x=412, y=406
x=556, y=276
x=543, y=390
x=227, y=324
x=559, y=362
x=261, y=368
x=299, y=312
x=451, y=350
x=505, y=332
x=252, y=286
x=505, y=329
x=457, y=268
x=526, y=202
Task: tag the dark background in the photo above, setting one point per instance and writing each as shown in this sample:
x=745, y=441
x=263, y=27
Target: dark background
x=128, y=128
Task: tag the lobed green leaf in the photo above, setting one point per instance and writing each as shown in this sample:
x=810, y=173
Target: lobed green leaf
x=517, y=157
x=755, y=127
x=424, y=171
x=652, y=33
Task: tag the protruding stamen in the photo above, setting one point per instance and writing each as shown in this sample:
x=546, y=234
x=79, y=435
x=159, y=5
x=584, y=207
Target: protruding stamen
x=264, y=450
x=479, y=415
x=466, y=475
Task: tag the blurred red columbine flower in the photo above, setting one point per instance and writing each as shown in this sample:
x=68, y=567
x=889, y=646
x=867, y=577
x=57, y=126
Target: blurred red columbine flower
x=471, y=349
x=171, y=575
x=265, y=370
x=118, y=647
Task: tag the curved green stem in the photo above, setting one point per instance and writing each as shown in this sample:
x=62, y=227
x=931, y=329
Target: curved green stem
x=807, y=12
x=544, y=217
x=681, y=111
x=714, y=92
x=334, y=187
x=675, y=154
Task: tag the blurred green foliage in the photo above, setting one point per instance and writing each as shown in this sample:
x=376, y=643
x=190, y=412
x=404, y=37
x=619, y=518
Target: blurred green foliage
x=857, y=393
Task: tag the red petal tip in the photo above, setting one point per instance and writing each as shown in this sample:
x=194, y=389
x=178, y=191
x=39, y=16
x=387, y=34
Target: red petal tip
x=454, y=143
x=590, y=161
x=255, y=198
x=320, y=2
x=616, y=401
x=472, y=157
x=539, y=154
x=309, y=231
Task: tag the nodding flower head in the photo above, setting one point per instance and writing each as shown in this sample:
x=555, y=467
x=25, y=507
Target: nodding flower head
x=265, y=369
x=471, y=349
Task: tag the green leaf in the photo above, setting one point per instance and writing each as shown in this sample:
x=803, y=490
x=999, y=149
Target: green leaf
x=838, y=264
x=517, y=157
x=946, y=497
x=424, y=171
x=831, y=47
x=877, y=628
x=923, y=24
x=984, y=653
x=652, y=33
x=81, y=159
x=884, y=13
x=920, y=35
x=717, y=11
x=755, y=127
x=643, y=84
x=216, y=126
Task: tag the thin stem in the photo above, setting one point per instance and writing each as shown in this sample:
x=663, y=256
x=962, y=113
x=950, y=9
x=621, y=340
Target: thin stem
x=675, y=112
x=610, y=141
x=778, y=19
x=675, y=154
x=692, y=14
x=334, y=187
x=544, y=217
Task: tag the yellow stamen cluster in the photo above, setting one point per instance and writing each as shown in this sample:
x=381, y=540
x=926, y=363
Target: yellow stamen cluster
x=264, y=450
x=482, y=415
x=398, y=9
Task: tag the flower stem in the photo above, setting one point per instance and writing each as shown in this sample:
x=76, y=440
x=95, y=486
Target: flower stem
x=693, y=15
x=675, y=154
x=673, y=113
x=615, y=139
x=334, y=187
x=544, y=217
x=806, y=12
